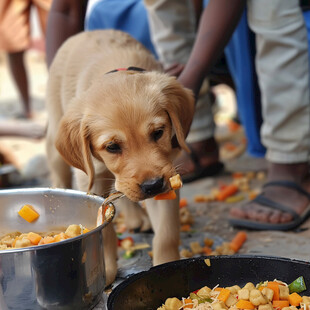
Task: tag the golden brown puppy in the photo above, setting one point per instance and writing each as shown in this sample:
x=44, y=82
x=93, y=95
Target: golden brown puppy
x=118, y=129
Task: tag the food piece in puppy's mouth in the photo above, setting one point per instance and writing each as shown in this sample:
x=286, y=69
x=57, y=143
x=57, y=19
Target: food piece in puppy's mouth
x=166, y=196
x=175, y=183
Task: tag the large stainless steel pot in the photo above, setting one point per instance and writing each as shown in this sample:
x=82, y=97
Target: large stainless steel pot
x=64, y=275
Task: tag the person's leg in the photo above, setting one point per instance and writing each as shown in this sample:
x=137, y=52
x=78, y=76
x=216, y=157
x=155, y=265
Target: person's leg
x=18, y=71
x=282, y=64
x=240, y=56
x=173, y=36
x=16, y=58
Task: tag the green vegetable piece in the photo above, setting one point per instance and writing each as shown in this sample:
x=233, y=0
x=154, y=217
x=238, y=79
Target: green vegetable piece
x=200, y=299
x=297, y=286
x=129, y=254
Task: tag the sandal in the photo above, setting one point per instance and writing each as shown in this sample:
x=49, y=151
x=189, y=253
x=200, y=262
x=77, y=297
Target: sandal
x=298, y=219
x=199, y=171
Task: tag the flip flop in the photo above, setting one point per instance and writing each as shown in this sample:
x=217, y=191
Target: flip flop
x=199, y=171
x=298, y=219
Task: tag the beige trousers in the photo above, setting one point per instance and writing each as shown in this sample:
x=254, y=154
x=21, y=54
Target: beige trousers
x=172, y=25
x=282, y=64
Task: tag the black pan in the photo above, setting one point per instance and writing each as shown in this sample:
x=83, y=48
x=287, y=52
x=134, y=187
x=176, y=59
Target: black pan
x=149, y=289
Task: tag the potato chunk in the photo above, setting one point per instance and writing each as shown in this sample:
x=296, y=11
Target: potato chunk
x=176, y=182
x=234, y=289
x=231, y=300
x=284, y=292
x=219, y=305
x=268, y=293
x=173, y=304
x=73, y=231
x=204, y=292
x=244, y=294
x=265, y=307
x=22, y=243
x=250, y=286
x=257, y=298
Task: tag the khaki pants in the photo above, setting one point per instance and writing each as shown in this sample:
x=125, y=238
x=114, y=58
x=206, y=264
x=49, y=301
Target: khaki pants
x=282, y=64
x=172, y=25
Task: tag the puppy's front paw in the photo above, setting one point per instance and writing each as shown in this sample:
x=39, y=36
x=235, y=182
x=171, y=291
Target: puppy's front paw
x=111, y=271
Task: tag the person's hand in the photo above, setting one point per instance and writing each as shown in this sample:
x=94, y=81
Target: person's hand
x=175, y=69
x=14, y=31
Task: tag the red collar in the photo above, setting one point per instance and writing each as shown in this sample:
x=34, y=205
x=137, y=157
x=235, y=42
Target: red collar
x=127, y=69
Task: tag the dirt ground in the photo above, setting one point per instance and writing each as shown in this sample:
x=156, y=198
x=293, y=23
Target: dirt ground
x=209, y=217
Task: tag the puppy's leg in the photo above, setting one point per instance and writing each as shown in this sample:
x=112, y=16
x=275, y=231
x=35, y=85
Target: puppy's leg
x=60, y=171
x=61, y=175
x=165, y=219
x=102, y=185
x=135, y=217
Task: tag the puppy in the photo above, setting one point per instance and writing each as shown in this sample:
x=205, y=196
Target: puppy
x=119, y=128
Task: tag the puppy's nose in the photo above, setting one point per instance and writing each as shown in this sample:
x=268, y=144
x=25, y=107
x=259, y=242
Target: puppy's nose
x=153, y=186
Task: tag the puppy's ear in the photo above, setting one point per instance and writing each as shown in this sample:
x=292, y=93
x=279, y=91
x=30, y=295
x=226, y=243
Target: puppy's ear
x=180, y=108
x=73, y=143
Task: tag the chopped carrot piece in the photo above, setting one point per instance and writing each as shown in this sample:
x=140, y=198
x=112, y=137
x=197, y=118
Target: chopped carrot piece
x=275, y=287
x=183, y=202
x=28, y=213
x=229, y=146
x=222, y=185
x=224, y=294
x=166, y=196
x=60, y=237
x=252, y=195
x=237, y=242
x=280, y=304
x=188, y=303
x=233, y=126
x=85, y=230
x=207, y=250
x=237, y=175
x=218, y=289
x=186, y=227
x=228, y=191
x=34, y=238
x=47, y=240
x=244, y=304
x=294, y=299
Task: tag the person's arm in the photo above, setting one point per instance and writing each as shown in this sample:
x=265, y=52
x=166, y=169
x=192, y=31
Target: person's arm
x=66, y=18
x=14, y=28
x=217, y=23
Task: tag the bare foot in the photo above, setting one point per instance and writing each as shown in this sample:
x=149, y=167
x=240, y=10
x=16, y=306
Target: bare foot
x=291, y=198
x=204, y=154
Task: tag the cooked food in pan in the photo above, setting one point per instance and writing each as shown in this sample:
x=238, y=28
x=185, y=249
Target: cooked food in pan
x=268, y=295
x=22, y=240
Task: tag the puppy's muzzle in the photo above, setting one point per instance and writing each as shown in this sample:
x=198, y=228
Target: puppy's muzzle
x=153, y=186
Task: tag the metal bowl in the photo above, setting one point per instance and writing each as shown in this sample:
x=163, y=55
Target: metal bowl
x=149, y=289
x=64, y=275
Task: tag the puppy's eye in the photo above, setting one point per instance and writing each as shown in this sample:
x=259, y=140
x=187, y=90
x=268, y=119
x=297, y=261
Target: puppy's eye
x=113, y=148
x=157, y=134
